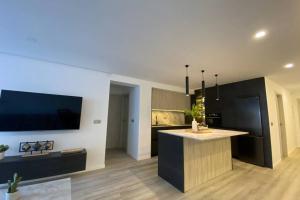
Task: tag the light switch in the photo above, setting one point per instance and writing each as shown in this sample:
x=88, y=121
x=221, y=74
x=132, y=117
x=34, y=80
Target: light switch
x=97, y=121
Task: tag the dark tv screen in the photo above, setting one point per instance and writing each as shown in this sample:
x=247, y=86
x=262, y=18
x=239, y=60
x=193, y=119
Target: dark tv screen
x=26, y=111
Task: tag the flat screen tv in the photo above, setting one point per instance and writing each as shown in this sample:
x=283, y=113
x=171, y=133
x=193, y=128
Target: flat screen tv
x=26, y=111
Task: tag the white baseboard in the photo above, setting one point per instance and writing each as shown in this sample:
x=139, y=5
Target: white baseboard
x=144, y=157
x=289, y=153
x=275, y=164
x=93, y=168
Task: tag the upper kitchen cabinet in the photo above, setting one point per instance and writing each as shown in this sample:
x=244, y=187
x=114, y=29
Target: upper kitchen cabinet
x=169, y=100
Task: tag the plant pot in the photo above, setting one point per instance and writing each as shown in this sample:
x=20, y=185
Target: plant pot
x=2, y=154
x=13, y=196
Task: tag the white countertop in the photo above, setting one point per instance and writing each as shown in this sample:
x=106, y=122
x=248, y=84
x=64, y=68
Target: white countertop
x=170, y=125
x=214, y=134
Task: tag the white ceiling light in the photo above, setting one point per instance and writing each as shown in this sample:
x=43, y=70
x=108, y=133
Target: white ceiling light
x=289, y=65
x=260, y=34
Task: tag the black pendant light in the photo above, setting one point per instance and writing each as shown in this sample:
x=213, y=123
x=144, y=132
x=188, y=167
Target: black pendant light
x=203, y=84
x=187, y=84
x=217, y=89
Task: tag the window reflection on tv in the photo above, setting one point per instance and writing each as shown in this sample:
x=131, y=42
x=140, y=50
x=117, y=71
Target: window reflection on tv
x=26, y=111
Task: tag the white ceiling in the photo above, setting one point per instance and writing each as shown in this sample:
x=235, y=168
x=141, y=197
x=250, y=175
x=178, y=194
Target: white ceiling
x=153, y=40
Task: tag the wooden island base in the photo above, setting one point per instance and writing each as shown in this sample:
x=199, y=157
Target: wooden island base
x=185, y=162
x=205, y=160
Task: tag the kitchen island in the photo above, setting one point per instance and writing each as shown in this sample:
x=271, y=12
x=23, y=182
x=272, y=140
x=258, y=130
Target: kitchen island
x=154, y=134
x=187, y=159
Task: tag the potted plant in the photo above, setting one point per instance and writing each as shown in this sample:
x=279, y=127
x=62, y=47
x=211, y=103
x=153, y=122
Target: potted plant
x=3, y=148
x=12, y=192
x=195, y=112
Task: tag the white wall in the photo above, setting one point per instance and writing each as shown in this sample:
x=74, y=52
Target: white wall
x=133, y=123
x=297, y=111
x=272, y=89
x=35, y=76
x=296, y=96
x=144, y=125
x=17, y=73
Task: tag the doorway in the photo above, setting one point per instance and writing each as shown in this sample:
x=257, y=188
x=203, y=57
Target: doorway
x=119, y=125
x=281, y=127
x=298, y=100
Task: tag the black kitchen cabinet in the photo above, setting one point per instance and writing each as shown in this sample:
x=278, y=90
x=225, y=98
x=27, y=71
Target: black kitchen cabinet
x=154, y=135
x=243, y=107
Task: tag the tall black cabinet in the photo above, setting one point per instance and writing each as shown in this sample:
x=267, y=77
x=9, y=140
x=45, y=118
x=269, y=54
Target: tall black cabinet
x=243, y=106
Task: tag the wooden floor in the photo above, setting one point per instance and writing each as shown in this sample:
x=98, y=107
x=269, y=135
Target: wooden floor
x=114, y=157
x=138, y=180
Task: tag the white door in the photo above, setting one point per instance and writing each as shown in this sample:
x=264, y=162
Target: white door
x=281, y=127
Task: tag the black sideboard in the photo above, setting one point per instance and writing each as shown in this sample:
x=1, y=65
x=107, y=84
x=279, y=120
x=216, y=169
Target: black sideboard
x=52, y=164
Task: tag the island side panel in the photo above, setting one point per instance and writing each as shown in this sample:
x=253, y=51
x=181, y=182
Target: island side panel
x=204, y=160
x=170, y=159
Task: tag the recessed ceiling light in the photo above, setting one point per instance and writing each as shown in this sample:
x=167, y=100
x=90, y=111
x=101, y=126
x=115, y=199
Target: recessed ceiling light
x=260, y=34
x=289, y=65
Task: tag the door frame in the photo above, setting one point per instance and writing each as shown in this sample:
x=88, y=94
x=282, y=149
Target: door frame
x=298, y=110
x=281, y=126
x=132, y=147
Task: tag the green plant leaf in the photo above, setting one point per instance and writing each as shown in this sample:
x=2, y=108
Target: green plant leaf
x=3, y=148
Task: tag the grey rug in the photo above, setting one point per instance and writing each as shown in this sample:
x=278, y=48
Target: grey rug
x=53, y=190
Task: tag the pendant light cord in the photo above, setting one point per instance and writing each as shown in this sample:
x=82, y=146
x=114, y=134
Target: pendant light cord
x=187, y=70
x=203, y=74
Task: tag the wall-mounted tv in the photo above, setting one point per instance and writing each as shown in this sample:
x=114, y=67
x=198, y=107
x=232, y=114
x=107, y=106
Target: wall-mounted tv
x=27, y=111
